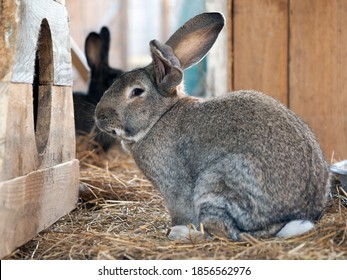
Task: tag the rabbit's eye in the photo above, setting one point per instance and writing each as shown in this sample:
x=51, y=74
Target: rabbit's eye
x=136, y=92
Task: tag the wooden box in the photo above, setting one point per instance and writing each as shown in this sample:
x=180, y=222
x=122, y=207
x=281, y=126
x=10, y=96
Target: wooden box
x=39, y=174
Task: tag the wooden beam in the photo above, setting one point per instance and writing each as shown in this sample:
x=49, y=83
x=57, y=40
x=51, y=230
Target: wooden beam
x=318, y=67
x=33, y=202
x=18, y=155
x=230, y=56
x=260, y=41
x=8, y=14
x=31, y=13
x=18, y=148
x=39, y=175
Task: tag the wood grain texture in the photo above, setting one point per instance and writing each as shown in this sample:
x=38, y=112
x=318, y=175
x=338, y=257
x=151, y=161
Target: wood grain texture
x=8, y=35
x=31, y=203
x=39, y=175
x=20, y=145
x=260, y=46
x=18, y=155
x=318, y=67
x=4, y=100
x=61, y=143
x=230, y=45
x=31, y=13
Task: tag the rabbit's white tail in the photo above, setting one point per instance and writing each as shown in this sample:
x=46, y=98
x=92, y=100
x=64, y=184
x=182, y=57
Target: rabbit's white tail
x=295, y=227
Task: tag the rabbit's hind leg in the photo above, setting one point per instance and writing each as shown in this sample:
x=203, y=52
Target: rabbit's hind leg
x=227, y=198
x=216, y=220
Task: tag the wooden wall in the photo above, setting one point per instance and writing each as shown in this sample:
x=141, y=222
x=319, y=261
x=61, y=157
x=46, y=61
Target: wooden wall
x=295, y=51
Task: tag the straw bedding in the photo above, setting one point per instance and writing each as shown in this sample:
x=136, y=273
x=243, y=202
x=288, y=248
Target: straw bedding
x=121, y=216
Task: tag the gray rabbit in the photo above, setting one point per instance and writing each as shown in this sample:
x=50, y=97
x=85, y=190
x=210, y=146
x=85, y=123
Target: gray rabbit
x=241, y=163
x=102, y=76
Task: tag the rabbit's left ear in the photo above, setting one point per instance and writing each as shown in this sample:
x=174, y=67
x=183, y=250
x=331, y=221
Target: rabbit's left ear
x=167, y=68
x=194, y=39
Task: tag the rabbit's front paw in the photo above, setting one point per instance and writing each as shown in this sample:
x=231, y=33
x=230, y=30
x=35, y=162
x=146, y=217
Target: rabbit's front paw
x=185, y=233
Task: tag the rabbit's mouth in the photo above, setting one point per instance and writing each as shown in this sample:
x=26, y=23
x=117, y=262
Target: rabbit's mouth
x=116, y=132
x=110, y=132
x=103, y=123
x=113, y=132
x=126, y=133
x=127, y=136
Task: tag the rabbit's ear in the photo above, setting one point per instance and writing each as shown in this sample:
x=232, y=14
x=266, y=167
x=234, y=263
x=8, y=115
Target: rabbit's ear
x=167, y=68
x=93, y=49
x=193, y=40
x=106, y=38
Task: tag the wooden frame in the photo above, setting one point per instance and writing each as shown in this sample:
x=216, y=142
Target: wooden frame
x=39, y=175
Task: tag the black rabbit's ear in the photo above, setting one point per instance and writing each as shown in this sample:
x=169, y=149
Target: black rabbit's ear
x=106, y=39
x=94, y=49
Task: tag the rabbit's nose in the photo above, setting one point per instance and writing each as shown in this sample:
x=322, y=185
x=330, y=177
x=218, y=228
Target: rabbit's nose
x=103, y=123
x=103, y=112
x=104, y=117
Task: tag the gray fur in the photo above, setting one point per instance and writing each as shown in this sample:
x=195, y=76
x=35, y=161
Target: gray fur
x=242, y=163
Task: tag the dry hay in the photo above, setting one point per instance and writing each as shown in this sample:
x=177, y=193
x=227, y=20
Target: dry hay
x=121, y=216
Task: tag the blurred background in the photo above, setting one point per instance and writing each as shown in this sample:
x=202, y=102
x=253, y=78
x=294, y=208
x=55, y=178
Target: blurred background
x=292, y=50
x=132, y=23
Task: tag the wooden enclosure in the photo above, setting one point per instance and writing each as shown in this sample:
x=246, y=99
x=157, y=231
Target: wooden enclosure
x=295, y=51
x=39, y=174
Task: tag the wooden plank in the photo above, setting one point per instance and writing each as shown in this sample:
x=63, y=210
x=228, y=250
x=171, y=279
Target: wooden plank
x=260, y=46
x=31, y=14
x=61, y=143
x=4, y=100
x=318, y=67
x=230, y=45
x=217, y=65
x=8, y=35
x=33, y=202
x=18, y=154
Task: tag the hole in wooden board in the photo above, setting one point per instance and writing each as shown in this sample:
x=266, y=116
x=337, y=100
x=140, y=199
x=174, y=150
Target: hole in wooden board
x=42, y=86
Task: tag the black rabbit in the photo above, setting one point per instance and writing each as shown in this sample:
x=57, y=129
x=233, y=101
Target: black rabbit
x=102, y=76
